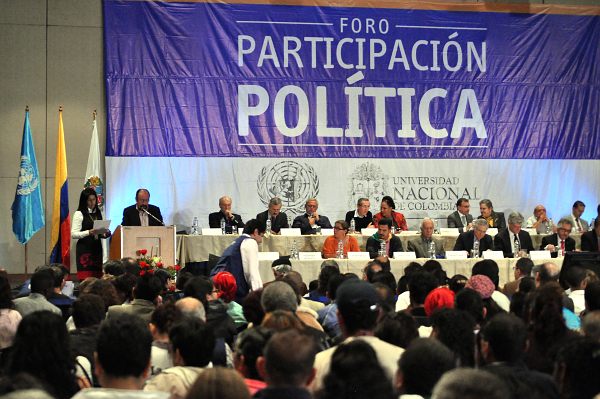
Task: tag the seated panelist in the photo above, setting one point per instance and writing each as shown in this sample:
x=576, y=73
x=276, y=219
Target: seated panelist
x=278, y=219
x=233, y=221
x=340, y=235
x=384, y=233
x=362, y=215
x=309, y=222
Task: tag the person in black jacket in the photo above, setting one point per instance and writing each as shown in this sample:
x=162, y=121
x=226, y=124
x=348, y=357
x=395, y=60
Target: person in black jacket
x=142, y=213
x=233, y=221
x=466, y=240
x=362, y=216
x=393, y=243
x=508, y=239
x=279, y=219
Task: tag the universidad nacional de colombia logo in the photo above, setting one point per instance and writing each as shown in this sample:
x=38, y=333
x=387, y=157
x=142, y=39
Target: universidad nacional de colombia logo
x=292, y=181
x=27, y=181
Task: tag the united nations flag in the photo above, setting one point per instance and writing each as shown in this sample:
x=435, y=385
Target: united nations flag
x=27, y=208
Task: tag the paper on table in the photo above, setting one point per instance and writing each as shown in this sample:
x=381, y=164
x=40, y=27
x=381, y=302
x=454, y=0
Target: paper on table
x=101, y=226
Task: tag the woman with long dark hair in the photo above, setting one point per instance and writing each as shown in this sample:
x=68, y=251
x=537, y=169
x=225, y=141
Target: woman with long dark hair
x=9, y=317
x=88, y=252
x=42, y=349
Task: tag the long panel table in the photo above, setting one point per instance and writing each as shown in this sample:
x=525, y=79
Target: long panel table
x=309, y=269
x=196, y=248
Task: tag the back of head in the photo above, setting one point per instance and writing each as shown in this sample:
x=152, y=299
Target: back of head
x=454, y=328
x=164, y=316
x=457, y=283
x=355, y=372
x=590, y=325
x=387, y=298
x=6, y=301
x=489, y=268
x=387, y=278
x=219, y=383
x=577, y=365
x=279, y=296
x=546, y=314
x=88, y=310
x=113, y=267
x=421, y=283
x=294, y=279
x=124, y=337
x=105, y=289
x=357, y=303
x=326, y=273
x=592, y=296
x=525, y=265
x=131, y=266
x=285, y=367
x=432, y=266
x=464, y=383
x=253, y=224
x=282, y=320
x=398, y=329
x=124, y=286
x=423, y=364
x=575, y=277
x=439, y=298
x=548, y=272
x=199, y=287
x=191, y=307
x=250, y=345
x=194, y=340
x=226, y=284
x=147, y=287
x=59, y=273
x=506, y=336
x=42, y=282
x=252, y=308
x=471, y=302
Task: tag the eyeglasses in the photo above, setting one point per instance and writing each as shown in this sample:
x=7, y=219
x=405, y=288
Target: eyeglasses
x=565, y=230
x=339, y=228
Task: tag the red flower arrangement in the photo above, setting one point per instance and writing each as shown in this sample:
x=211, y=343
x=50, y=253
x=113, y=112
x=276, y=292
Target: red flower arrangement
x=149, y=264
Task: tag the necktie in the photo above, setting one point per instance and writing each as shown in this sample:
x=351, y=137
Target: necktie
x=463, y=218
x=578, y=225
x=517, y=245
x=562, y=246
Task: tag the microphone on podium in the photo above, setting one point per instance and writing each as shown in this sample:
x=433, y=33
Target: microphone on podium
x=143, y=208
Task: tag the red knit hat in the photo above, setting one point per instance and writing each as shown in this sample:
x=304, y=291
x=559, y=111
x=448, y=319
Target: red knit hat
x=226, y=284
x=439, y=298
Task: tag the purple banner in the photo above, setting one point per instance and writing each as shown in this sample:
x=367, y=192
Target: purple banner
x=221, y=80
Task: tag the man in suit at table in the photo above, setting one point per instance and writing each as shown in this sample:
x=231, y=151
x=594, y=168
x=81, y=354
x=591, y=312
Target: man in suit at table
x=512, y=238
x=466, y=241
x=590, y=240
x=311, y=219
x=579, y=225
x=233, y=221
x=461, y=217
x=142, y=213
x=384, y=233
x=278, y=218
x=362, y=215
x=420, y=246
x=560, y=241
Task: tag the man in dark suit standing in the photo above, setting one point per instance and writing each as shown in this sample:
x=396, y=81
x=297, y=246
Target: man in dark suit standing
x=590, y=240
x=466, y=241
x=461, y=217
x=278, y=219
x=233, y=221
x=142, y=213
x=311, y=219
x=513, y=239
x=362, y=215
x=560, y=242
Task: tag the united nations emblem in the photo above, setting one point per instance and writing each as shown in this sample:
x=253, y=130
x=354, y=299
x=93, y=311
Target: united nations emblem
x=291, y=181
x=27, y=182
x=367, y=181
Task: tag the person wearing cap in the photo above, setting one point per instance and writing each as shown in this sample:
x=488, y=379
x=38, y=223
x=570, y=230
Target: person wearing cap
x=439, y=298
x=388, y=212
x=358, y=311
x=225, y=284
x=489, y=268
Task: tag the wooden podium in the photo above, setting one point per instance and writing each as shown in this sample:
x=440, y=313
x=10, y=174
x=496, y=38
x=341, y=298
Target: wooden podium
x=158, y=240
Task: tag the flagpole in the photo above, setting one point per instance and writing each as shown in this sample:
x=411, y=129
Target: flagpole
x=94, y=115
x=26, y=261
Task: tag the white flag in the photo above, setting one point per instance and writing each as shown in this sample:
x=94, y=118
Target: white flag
x=93, y=164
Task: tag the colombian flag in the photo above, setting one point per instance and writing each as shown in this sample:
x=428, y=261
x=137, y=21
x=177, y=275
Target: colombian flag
x=61, y=223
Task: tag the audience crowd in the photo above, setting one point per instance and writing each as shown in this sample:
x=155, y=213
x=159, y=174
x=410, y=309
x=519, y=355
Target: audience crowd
x=424, y=334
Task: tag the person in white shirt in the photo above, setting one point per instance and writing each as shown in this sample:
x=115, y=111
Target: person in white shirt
x=540, y=221
x=241, y=259
x=579, y=225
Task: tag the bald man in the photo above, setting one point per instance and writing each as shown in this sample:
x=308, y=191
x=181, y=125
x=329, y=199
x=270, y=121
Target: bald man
x=233, y=221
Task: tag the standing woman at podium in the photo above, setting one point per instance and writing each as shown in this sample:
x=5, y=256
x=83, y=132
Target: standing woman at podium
x=88, y=252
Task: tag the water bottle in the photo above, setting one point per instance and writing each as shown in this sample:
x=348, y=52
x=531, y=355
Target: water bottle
x=382, y=248
x=223, y=226
x=475, y=250
x=436, y=229
x=393, y=230
x=340, y=250
x=194, y=230
x=268, y=232
x=290, y=220
x=549, y=225
x=431, y=249
x=517, y=249
x=318, y=230
x=352, y=226
x=294, y=250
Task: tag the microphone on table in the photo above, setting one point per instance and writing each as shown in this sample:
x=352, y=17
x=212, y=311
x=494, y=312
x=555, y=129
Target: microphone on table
x=143, y=208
